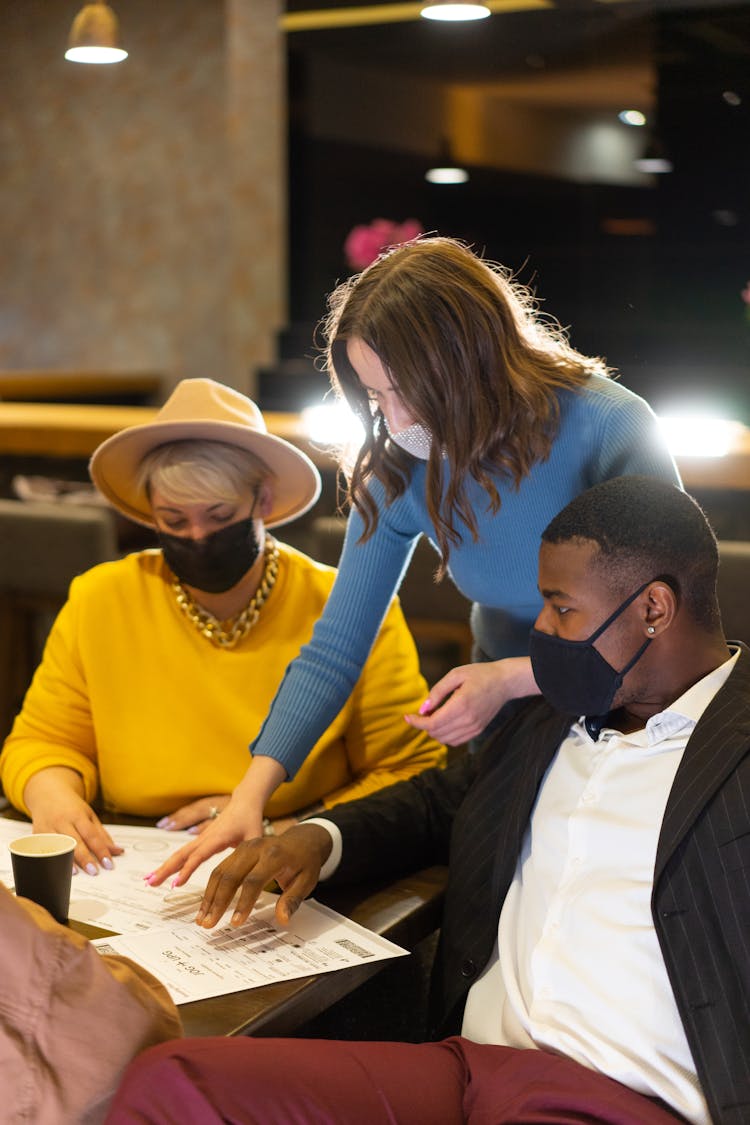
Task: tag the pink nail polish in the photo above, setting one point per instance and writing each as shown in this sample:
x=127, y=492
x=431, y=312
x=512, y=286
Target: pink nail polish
x=175, y=883
x=425, y=708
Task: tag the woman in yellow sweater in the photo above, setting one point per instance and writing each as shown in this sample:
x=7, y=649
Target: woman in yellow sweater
x=162, y=664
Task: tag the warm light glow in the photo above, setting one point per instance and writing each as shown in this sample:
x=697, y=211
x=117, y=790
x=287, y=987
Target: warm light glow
x=453, y=12
x=99, y=55
x=95, y=36
x=632, y=117
x=446, y=175
x=695, y=435
x=333, y=423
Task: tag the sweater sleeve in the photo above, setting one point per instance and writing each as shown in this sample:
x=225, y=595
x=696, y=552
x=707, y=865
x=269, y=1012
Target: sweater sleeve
x=381, y=748
x=55, y=726
x=317, y=684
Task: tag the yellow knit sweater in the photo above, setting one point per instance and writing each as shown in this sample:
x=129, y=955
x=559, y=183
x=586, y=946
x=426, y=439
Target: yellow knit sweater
x=153, y=716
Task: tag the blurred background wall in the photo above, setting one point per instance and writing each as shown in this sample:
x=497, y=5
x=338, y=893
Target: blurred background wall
x=185, y=211
x=142, y=205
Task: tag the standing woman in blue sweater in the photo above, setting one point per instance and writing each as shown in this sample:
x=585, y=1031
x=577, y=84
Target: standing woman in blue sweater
x=481, y=423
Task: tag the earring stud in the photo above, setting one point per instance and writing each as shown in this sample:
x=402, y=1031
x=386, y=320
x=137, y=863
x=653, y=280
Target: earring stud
x=650, y=629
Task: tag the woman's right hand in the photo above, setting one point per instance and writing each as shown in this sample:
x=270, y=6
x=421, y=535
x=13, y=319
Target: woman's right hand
x=55, y=805
x=241, y=819
x=466, y=699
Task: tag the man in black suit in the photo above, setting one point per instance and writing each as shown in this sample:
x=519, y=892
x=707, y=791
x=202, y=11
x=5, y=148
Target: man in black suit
x=594, y=961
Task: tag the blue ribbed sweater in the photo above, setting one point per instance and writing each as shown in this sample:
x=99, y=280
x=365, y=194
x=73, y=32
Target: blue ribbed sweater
x=605, y=431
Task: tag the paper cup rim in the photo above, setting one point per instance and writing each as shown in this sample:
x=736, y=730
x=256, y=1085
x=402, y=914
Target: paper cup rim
x=15, y=847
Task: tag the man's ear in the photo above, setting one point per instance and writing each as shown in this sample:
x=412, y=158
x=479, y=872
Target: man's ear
x=660, y=608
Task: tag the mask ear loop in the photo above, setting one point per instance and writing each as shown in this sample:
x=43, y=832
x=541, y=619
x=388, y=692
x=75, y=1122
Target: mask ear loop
x=620, y=609
x=612, y=617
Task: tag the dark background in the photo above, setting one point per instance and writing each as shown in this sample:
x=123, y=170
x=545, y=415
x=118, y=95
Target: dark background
x=664, y=305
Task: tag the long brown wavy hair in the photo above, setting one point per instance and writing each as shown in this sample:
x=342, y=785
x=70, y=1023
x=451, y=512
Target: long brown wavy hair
x=472, y=359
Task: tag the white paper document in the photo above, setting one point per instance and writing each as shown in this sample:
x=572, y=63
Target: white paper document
x=120, y=900
x=154, y=925
x=194, y=963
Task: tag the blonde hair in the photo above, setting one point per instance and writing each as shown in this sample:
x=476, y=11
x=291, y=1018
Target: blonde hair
x=472, y=358
x=198, y=470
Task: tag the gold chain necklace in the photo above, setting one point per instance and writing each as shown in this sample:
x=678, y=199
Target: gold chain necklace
x=238, y=627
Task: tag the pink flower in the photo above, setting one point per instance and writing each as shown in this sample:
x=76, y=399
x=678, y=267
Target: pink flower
x=365, y=243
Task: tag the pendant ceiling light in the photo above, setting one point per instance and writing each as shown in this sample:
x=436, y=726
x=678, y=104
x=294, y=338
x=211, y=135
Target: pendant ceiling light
x=446, y=170
x=453, y=11
x=94, y=36
x=654, y=160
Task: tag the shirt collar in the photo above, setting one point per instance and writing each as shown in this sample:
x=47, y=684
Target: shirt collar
x=684, y=712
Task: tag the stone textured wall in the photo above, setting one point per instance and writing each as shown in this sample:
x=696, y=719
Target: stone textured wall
x=143, y=205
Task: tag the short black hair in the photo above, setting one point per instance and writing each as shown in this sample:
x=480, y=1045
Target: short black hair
x=646, y=528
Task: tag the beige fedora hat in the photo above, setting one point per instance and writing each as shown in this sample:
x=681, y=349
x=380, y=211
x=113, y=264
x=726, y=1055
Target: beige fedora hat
x=201, y=409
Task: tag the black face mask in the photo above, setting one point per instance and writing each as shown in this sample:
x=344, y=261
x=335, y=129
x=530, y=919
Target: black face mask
x=216, y=563
x=572, y=675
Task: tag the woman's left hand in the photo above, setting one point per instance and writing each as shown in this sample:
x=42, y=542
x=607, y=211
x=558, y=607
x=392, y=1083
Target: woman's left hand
x=197, y=815
x=460, y=706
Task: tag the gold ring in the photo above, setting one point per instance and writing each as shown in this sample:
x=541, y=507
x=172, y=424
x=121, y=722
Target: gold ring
x=213, y=812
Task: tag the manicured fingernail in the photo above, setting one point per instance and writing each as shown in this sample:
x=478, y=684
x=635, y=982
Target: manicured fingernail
x=425, y=707
x=193, y=830
x=175, y=882
x=163, y=822
x=91, y=869
x=107, y=862
x=75, y=869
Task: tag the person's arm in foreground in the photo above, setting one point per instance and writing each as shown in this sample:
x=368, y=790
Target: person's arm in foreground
x=60, y=999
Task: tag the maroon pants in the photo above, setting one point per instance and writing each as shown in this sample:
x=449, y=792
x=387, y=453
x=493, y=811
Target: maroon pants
x=248, y=1081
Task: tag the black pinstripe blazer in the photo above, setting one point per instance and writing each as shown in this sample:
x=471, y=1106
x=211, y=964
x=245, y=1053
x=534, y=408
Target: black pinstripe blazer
x=476, y=812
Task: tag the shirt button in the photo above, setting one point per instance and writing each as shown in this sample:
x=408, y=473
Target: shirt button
x=468, y=968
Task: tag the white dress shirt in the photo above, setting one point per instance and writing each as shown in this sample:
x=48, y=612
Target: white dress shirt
x=578, y=969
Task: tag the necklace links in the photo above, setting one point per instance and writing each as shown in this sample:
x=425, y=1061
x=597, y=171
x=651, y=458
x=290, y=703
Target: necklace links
x=229, y=634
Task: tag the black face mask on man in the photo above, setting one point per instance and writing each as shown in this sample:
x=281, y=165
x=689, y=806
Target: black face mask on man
x=574, y=676
x=216, y=563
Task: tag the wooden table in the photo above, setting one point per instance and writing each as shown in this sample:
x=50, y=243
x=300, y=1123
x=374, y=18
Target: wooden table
x=404, y=911
x=80, y=386
x=43, y=429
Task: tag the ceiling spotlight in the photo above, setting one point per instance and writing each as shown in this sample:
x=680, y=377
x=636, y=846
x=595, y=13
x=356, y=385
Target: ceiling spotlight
x=654, y=160
x=94, y=36
x=632, y=117
x=455, y=10
x=446, y=174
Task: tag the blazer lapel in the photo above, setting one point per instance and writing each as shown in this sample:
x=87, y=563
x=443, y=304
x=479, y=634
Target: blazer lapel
x=535, y=748
x=720, y=739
